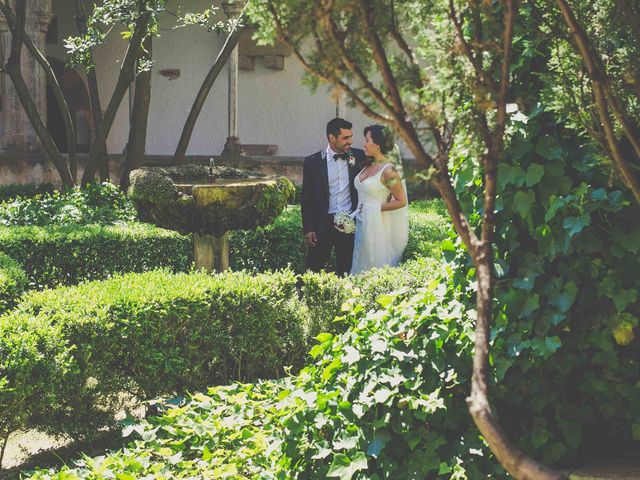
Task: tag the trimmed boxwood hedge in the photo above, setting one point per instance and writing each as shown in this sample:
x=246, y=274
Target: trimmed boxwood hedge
x=160, y=333
x=281, y=244
x=143, y=334
x=67, y=255
x=13, y=282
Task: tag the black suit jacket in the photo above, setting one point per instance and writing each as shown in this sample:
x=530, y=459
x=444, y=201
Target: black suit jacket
x=315, y=190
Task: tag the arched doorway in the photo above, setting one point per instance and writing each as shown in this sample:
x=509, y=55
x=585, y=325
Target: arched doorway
x=75, y=92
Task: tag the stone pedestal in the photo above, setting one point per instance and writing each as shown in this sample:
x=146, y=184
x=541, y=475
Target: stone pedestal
x=211, y=253
x=16, y=132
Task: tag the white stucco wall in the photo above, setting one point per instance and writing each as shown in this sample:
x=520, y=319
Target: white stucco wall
x=274, y=107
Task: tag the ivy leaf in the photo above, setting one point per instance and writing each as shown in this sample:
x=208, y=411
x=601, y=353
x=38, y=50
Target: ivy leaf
x=622, y=298
x=377, y=444
x=539, y=437
x=563, y=300
x=351, y=355
x=575, y=225
x=347, y=443
x=535, y=172
x=344, y=468
x=384, y=300
x=547, y=147
x=522, y=202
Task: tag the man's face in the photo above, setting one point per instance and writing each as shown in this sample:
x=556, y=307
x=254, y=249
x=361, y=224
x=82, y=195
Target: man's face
x=342, y=143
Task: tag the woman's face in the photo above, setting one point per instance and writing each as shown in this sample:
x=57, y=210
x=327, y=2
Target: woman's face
x=371, y=149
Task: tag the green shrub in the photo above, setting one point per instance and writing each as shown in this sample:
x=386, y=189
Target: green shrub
x=147, y=335
x=66, y=255
x=368, y=407
x=273, y=247
x=35, y=364
x=14, y=190
x=281, y=244
x=96, y=204
x=325, y=293
x=13, y=282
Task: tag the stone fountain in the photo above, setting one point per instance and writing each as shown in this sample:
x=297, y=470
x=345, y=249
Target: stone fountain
x=208, y=202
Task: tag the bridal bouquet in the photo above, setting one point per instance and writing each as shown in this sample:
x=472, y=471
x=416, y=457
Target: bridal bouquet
x=344, y=222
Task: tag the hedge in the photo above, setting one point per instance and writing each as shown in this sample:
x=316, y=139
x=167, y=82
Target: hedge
x=160, y=333
x=281, y=244
x=14, y=190
x=142, y=334
x=367, y=406
x=13, y=282
x=67, y=255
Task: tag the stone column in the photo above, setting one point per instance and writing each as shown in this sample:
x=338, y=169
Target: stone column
x=232, y=147
x=17, y=133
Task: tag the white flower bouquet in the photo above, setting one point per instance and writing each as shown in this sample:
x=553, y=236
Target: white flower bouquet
x=344, y=222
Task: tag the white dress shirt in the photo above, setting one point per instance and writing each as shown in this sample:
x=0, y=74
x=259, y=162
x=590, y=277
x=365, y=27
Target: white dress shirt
x=339, y=189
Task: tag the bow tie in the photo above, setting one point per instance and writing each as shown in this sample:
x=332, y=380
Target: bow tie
x=341, y=156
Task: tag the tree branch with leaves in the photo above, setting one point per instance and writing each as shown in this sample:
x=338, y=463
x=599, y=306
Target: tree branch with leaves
x=349, y=46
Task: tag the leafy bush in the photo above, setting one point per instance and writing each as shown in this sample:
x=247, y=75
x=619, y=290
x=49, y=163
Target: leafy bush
x=325, y=293
x=66, y=255
x=567, y=259
x=14, y=190
x=370, y=407
x=145, y=335
x=95, y=204
x=13, y=282
x=281, y=244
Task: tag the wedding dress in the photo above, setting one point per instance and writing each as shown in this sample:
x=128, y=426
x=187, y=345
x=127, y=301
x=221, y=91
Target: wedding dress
x=380, y=237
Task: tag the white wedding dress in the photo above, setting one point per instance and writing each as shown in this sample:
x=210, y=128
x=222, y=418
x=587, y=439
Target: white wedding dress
x=380, y=237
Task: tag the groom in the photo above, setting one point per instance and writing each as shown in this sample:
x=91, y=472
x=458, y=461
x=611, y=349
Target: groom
x=327, y=188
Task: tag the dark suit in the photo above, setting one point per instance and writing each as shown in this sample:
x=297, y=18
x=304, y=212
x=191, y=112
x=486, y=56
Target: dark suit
x=315, y=213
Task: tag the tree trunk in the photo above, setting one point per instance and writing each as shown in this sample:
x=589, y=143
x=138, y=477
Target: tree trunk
x=14, y=70
x=126, y=76
x=92, y=84
x=196, y=108
x=139, y=120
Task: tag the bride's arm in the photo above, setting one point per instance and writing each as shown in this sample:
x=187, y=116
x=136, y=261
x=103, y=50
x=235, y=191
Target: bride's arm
x=393, y=182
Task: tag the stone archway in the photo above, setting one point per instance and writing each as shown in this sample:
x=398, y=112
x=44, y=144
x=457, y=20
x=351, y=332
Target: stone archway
x=77, y=96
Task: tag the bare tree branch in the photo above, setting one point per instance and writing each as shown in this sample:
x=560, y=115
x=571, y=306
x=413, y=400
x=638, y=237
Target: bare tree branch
x=468, y=50
x=342, y=85
x=53, y=83
x=603, y=97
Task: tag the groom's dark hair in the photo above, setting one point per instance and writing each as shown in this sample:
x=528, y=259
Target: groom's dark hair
x=335, y=125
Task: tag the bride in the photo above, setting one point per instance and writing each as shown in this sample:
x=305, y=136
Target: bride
x=382, y=220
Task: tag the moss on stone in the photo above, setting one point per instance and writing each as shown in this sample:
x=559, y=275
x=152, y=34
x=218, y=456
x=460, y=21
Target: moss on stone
x=186, y=199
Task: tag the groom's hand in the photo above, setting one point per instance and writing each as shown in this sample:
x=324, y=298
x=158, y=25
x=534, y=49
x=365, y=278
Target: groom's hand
x=311, y=238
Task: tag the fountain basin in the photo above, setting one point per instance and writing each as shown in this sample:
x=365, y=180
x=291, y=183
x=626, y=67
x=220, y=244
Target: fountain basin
x=208, y=203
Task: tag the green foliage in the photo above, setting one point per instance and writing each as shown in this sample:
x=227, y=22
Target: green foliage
x=66, y=255
x=95, y=204
x=368, y=407
x=566, y=257
x=34, y=364
x=281, y=244
x=142, y=335
x=13, y=282
x=14, y=190
x=324, y=293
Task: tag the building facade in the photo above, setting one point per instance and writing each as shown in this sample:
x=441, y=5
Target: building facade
x=277, y=116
